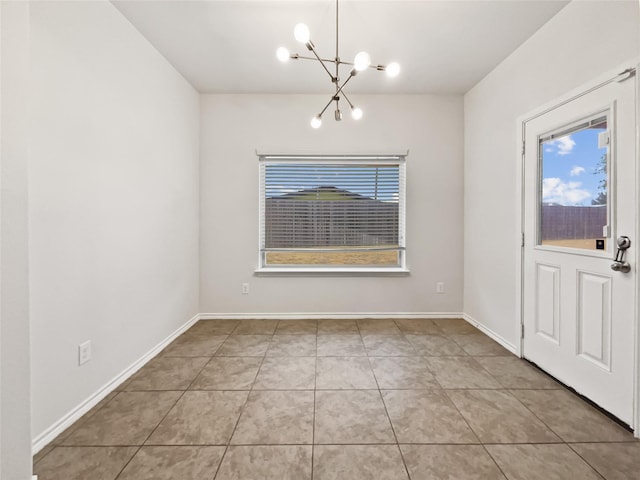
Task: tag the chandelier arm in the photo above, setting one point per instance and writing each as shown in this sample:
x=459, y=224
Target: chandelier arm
x=347, y=99
x=325, y=107
x=313, y=50
x=339, y=90
x=296, y=56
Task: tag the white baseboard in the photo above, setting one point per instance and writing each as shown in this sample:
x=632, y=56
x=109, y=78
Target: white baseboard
x=65, y=422
x=491, y=334
x=328, y=316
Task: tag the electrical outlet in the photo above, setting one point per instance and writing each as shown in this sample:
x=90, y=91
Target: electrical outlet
x=84, y=352
x=245, y=289
x=439, y=287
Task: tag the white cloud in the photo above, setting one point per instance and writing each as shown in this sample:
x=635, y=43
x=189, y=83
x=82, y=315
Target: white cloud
x=576, y=170
x=565, y=145
x=555, y=190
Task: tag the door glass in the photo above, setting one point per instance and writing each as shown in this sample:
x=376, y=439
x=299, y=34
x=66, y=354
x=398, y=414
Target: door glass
x=574, y=166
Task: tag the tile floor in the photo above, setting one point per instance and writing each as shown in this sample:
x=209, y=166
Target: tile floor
x=340, y=399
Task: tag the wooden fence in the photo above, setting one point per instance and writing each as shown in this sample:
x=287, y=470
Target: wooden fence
x=560, y=222
x=308, y=223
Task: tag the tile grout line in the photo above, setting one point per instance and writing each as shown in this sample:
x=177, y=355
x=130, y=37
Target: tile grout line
x=167, y=413
x=585, y=460
x=386, y=411
x=315, y=390
x=228, y=443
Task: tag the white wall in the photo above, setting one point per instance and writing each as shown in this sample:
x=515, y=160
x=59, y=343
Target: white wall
x=15, y=416
x=113, y=201
x=581, y=42
x=234, y=126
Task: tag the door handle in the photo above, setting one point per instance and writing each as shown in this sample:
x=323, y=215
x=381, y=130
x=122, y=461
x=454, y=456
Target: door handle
x=619, y=264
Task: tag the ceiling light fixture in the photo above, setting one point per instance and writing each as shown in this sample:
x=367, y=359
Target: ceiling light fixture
x=360, y=63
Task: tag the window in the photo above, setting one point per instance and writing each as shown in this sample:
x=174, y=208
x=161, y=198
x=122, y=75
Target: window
x=573, y=210
x=332, y=213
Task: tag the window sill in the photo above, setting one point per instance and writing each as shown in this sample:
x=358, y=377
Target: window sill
x=329, y=272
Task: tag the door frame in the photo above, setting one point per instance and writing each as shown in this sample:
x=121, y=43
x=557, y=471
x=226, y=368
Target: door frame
x=609, y=76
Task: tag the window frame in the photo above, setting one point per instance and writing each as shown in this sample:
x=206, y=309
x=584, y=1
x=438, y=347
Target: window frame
x=569, y=128
x=349, y=270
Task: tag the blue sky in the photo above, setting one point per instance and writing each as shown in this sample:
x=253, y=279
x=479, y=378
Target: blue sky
x=568, y=168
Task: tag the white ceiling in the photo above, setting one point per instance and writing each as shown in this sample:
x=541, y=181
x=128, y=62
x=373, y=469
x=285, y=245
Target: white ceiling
x=228, y=46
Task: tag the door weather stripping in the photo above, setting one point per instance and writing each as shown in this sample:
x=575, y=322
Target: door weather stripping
x=626, y=75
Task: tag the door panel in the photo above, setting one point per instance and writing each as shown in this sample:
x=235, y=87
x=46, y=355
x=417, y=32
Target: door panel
x=594, y=318
x=548, y=302
x=579, y=196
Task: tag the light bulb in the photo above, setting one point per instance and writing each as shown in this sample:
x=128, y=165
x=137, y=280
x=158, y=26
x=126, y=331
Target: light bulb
x=356, y=113
x=301, y=32
x=393, y=69
x=362, y=61
x=282, y=54
x=316, y=122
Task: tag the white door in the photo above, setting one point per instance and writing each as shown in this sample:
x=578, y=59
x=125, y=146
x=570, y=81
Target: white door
x=579, y=198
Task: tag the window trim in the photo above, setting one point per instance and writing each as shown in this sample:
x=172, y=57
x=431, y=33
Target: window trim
x=340, y=270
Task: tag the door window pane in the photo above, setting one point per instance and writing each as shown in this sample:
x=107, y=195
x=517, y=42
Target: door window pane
x=574, y=187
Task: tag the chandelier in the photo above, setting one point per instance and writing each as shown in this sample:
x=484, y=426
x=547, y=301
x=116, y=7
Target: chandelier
x=361, y=62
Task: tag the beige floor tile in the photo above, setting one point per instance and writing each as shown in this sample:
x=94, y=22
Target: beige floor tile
x=443, y=389
x=128, y=419
x=374, y=326
x=340, y=346
x=276, y=417
x=244, y=346
x=541, y=462
x=450, y=462
x=187, y=345
x=82, y=463
x=256, y=327
x=351, y=417
x=335, y=373
x=172, y=463
x=213, y=327
x=297, y=327
x=513, y=372
x=478, y=345
x=292, y=346
x=460, y=372
x=200, y=418
x=455, y=326
x=167, y=373
x=614, y=461
x=337, y=326
x=387, y=346
x=571, y=418
x=287, y=373
x=83, y=419
x=358, y=462
x=417, y=326
x=496, y=416
x=266, y=463
x=402, y=372
x=426, y=416
x=434, y=345
x=228, y=373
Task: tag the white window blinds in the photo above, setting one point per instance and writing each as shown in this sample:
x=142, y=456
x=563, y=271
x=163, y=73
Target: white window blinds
x=343, y=211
